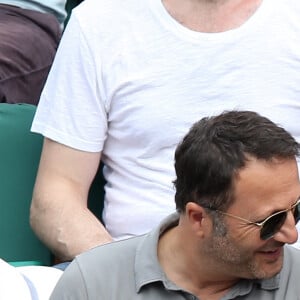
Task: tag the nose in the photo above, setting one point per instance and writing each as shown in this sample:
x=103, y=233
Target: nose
x=288, y=232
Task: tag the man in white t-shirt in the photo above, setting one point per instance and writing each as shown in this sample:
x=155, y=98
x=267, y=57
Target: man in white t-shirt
x=129, y=79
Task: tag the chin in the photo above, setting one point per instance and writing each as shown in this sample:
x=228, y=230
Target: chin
x=267, y=269
x=266, y=264
x=267, y=274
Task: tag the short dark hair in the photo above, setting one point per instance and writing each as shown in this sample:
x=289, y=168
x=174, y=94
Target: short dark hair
x=216, y=148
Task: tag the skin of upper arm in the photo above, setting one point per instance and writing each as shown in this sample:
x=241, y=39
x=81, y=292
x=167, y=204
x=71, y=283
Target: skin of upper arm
x=65, y=166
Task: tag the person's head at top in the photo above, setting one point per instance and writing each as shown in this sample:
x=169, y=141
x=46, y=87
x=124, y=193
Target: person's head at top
x=237, y=192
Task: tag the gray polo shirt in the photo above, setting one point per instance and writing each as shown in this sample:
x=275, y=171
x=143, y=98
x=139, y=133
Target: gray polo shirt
x=129, y=270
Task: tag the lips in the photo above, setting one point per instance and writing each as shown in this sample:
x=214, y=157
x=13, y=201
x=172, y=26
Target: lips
x=272, y=253
x=271, y=247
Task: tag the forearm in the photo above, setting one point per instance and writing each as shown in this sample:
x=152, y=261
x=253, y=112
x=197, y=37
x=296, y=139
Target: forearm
x=59, y=214
x=65, y=226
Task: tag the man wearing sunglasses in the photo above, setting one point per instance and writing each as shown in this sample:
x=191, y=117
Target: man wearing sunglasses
x=237, y=198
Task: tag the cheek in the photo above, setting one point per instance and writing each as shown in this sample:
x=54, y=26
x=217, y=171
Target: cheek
x=248, y=237
x=244, y=231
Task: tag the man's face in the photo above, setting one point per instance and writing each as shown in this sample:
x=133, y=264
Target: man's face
x=261, y=189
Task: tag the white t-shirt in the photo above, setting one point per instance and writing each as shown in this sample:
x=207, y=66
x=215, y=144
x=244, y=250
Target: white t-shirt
x=128, y=80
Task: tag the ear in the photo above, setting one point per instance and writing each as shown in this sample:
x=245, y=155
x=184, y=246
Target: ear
x=197, y=218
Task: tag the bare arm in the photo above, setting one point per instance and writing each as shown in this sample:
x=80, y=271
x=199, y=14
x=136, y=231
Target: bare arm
x=59, y=213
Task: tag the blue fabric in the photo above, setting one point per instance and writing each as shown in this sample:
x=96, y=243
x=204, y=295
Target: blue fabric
x=62, y=266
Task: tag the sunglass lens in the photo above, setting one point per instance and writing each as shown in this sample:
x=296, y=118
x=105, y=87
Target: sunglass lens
x=297, y=212
x=272, y=225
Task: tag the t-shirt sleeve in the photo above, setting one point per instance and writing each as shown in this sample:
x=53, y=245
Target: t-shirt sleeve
x=71, y=110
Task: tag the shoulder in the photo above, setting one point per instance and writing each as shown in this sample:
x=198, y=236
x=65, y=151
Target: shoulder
x=97, y=272
x=115, y=256
x=111, y=29
x=109, y=11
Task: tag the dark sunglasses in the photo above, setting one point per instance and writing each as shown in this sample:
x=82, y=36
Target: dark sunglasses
x=272, y=224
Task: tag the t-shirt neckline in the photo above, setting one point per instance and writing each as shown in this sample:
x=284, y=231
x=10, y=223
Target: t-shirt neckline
x=170, y=24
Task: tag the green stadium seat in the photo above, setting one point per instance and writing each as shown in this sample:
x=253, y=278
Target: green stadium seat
x=19, y=158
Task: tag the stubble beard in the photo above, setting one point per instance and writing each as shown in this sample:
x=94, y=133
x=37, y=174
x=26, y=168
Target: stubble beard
x=231, y=258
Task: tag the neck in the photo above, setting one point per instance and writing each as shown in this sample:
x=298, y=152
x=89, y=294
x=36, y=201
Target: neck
x=211, y=15
x=184, y=266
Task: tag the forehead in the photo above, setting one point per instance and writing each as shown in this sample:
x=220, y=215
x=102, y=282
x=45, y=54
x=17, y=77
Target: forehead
x=274, y=183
